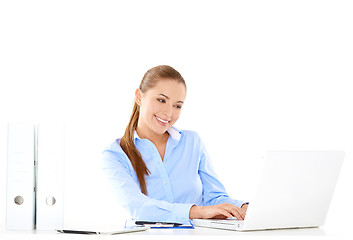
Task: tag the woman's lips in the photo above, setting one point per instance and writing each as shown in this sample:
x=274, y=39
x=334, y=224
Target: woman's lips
x=162, y=121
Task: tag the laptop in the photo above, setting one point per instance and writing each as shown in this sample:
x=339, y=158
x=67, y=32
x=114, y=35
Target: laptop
x=295, y=191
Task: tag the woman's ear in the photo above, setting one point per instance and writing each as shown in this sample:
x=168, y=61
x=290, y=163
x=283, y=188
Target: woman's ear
x=138, y=96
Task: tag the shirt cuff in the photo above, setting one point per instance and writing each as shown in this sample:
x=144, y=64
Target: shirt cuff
x=182, y=212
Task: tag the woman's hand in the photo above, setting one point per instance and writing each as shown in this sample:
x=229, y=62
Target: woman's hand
x=245, y=207
x=220, y=211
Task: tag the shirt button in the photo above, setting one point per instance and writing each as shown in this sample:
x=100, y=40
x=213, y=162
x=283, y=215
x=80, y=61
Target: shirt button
x=170, y=201
x=165, y=182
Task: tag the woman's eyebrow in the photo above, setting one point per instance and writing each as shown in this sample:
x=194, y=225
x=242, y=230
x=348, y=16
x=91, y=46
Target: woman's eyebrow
x=164, y=95
x=161, y=94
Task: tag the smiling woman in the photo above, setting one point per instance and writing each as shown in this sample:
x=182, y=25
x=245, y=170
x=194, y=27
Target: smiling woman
x=158, y=172
x=161, y=109
x=155, y=83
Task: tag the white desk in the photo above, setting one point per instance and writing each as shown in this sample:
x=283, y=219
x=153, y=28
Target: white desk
x=197, y=233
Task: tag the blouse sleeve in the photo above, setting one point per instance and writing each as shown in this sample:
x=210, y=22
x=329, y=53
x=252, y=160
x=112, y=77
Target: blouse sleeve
x=213, y=190
x=133, y=200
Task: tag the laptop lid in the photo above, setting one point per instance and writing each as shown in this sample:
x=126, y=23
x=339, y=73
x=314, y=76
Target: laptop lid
x=295, y=190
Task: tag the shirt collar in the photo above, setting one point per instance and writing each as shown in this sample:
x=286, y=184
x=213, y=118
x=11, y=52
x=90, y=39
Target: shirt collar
x=173, y=132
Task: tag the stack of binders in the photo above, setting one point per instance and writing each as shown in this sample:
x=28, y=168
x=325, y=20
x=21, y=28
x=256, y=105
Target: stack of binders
x=35, y=177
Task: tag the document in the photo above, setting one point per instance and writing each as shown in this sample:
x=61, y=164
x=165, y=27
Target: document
x=111, y=231
x=152, y=224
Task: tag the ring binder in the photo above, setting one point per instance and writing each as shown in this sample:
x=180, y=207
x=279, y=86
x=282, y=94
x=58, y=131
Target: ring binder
x=50, y=177
x=20, y=197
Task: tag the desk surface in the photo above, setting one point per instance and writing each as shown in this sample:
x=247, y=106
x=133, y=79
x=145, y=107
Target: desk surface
x=197, y=233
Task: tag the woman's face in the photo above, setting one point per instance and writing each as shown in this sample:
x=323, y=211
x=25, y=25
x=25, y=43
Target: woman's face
x=160, y=106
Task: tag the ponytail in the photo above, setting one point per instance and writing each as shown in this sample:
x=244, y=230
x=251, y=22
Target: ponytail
x=127, y=143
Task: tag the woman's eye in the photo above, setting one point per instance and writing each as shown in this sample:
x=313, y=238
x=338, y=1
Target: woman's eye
x=178, y=106
x=161, y=100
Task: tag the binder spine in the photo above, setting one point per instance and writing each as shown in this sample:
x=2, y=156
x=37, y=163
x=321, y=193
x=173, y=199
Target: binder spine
x=20, y=191
x=35, y=173
x=50, y=177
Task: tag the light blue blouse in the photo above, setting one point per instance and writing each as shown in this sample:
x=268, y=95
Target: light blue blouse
x=184, y=178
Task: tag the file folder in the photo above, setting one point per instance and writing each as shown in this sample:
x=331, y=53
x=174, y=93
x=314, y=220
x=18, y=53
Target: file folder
x=50, y=176
x=20, y=197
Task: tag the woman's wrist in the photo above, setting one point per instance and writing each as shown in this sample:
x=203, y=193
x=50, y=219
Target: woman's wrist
x=195, y=212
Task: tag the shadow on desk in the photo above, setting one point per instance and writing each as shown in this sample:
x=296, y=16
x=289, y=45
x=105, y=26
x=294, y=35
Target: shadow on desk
x=212, y=231
x=197, y=233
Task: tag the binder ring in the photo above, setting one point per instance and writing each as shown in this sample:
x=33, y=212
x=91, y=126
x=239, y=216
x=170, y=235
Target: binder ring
x=19, y=200
x=50, y=201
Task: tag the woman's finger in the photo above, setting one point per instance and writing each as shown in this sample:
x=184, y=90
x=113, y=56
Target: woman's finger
x=226, y=213
x=236, y=212
x=238, y=216
x=242, y=213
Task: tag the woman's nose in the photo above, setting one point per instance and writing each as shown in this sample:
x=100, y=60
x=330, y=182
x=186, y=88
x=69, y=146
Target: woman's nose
x=168, y=111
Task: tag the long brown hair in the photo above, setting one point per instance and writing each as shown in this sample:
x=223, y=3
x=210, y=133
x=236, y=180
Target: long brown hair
x=149, y=80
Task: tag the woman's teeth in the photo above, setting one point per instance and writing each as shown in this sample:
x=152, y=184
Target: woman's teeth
x=163, y=121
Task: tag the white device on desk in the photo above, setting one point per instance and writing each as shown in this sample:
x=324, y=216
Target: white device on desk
x=111, y=231
x=295, y=191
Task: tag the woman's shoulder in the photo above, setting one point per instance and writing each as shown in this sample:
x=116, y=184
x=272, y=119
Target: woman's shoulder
x=113, y=156
x=114, y=150
x=114, y=146
x=191, y=135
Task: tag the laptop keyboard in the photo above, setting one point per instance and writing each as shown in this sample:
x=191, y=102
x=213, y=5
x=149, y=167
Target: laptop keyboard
x=229, y=221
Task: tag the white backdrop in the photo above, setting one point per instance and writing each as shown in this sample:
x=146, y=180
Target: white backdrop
x=261, y=75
